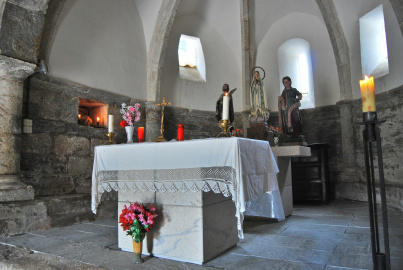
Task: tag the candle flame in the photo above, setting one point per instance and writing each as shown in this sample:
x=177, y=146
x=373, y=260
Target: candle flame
x=79, y=116
x=366, y=77
x=226, y=94
x=97, y=119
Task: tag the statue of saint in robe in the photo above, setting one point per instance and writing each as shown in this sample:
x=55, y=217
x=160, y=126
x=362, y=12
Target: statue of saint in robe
x=289, y=116
x=258, y=102
x=219, y=105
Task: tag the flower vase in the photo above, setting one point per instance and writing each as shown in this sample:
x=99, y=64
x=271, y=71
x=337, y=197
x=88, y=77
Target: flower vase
x=276, y=140
x=129, y=133
x=137, y=250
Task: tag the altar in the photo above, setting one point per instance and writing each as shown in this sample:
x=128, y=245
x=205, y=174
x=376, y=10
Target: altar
x=200, y=188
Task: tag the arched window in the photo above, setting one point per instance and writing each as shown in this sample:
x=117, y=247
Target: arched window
x=294, y=58
x=374, y=51
x=192, y=66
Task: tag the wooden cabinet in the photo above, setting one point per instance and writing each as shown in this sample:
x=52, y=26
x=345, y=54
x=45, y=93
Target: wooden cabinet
x=310, y=175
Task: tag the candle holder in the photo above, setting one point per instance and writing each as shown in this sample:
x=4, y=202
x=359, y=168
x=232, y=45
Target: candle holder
x=225, y=125
x=371, y=133
x=110, y=136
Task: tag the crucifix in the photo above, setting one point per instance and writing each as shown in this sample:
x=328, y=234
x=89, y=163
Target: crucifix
x=162, y=104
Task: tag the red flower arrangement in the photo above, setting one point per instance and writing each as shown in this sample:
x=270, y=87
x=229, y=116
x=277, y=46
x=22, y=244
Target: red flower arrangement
x=237, y=132
x=276, y=131
x=136, y=220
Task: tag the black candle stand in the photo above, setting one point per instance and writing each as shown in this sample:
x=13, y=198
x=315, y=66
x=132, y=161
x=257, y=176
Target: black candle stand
x=371, y=133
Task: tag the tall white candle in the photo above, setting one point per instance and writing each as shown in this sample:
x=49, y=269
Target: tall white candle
x=110, y=123
x=225, y=107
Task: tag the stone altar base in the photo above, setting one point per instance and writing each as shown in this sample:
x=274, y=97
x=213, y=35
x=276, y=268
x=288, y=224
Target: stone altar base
x=191, y=227
x=283, y=155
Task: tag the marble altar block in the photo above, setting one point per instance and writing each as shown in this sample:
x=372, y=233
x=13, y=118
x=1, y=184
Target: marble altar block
x=283, y=155
x=191, y=227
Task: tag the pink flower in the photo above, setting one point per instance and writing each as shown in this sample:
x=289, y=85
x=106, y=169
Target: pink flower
x=131, y=109
x=137, y=105
x=152, y=208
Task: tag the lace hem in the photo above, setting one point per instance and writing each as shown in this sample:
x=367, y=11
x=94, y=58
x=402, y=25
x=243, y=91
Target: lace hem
x=216, y=179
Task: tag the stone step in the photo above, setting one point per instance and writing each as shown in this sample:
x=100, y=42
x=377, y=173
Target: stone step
x=18, y=217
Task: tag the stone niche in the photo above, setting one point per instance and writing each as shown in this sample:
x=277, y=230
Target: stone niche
x=92, y=113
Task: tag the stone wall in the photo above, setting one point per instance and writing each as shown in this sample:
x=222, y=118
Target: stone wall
x=57, y=157
x=390, y=108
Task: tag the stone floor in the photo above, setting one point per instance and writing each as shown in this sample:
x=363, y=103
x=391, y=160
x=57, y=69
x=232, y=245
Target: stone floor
x=333, y=236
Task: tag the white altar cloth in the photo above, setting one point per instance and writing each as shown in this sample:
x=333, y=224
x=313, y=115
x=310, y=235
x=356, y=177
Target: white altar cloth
x=243, y=168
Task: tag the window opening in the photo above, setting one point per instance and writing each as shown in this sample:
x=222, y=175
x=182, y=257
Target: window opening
x=192, y=66
x=374, y=51
x=294, y=57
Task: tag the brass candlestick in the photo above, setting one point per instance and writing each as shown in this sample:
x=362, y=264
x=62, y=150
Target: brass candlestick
x=110, y=136
x=225, y=125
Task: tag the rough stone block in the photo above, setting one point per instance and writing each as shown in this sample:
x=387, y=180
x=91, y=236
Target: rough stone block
x=95, y=142
x=68, y=145
x=52, y=106
x=34, y=5
x=81, y=166
x=68, y=209
x=40, y=143
x=20, y=32
x=37, y=165
x=21, y=217
x=82, y=185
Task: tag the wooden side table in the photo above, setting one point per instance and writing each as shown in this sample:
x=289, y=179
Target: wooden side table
x=310, y=175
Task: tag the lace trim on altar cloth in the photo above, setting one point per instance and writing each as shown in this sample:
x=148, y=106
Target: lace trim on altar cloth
x=216, y=179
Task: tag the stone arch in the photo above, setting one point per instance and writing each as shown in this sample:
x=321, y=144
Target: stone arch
x=398, y=9
x=155, y=62
x=159, y=42
x=339, y=44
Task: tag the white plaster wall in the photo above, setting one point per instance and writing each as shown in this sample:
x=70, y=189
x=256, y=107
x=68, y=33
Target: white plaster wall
x=101, y=44
x=312, y=29
x=349, y=19
x=218, y=32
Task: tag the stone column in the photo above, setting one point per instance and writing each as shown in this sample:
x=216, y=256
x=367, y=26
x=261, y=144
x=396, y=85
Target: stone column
x=246, y=52
x=12, y=75
x=153, y=121
x=349, y=171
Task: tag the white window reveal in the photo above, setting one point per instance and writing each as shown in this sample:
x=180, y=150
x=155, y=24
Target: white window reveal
x=374, y=50
x=294, y=58
x=192, y=66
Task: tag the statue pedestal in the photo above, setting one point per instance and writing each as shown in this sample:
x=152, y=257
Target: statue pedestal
x=258, y=131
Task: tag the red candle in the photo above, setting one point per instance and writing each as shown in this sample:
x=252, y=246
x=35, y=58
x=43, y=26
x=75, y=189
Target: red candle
x=181, y=131
x=140, y=134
